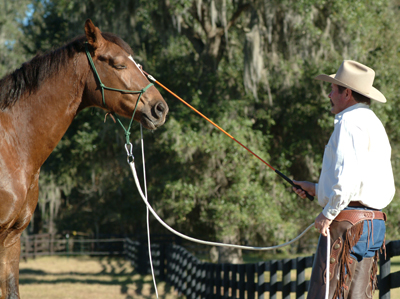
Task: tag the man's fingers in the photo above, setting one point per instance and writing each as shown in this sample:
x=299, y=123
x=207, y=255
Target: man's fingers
x=299, y=192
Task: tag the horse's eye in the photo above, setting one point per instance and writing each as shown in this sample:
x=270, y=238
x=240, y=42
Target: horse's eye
x=120, y=66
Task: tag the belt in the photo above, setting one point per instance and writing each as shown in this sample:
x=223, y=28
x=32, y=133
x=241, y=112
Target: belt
x=356, y=204
x=355, y=216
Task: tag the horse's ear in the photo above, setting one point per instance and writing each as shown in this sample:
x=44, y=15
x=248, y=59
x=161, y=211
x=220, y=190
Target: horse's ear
x=93, y=35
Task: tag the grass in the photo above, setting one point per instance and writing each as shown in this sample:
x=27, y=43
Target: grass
x=104, y=278
x=86, y=277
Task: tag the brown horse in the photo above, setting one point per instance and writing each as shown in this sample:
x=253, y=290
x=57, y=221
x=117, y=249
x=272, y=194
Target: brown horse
x=38, y=103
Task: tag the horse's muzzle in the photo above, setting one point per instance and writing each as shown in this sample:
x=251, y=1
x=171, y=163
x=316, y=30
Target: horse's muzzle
x=156, y=116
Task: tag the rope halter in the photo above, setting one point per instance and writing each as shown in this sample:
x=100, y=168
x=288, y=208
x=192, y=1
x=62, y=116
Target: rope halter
x=102, y=86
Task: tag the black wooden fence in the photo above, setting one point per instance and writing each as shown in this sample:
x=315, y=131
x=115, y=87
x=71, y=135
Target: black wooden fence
x=388, y=280
x=197, y=279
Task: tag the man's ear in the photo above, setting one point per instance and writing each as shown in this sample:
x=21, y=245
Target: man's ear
x=93, y=35
x=349, y=93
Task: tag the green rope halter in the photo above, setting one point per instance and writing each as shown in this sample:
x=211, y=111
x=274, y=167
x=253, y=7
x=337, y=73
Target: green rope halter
x=102, y=86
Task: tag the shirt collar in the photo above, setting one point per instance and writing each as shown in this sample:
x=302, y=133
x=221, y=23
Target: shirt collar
x=339, y=116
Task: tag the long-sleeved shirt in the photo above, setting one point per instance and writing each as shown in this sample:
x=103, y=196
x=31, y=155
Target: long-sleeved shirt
x=356, y=164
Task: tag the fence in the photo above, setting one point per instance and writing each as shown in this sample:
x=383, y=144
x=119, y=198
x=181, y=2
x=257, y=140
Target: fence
x=387, y=280
x=50, y=244
x=197, y=279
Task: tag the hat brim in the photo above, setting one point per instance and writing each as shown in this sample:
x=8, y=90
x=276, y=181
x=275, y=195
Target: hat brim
x=373, y=94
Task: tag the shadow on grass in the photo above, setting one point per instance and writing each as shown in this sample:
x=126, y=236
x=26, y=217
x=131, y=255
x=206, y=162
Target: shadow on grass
x=395, y=263
x=112, y=268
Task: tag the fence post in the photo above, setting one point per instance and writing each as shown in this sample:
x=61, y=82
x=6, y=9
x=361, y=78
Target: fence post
x=209, y=289
x=225, y=284
x=27, y=246
x=201, y=286
x=261, y=279
x=34, y=246
x=286, y=280
x=162, y=262
x=250, y=274
x=234, y=280
x=273, y=281
x=301, y=277
x=67, y=244
x=218, y=280
x=23, y=245
x=51, y=244
x=384, y=277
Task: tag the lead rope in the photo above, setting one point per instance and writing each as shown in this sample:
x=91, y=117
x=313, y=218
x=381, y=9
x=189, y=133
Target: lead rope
x=327, y=275
x=131, y=162
x=147, y=212
x=132, y=166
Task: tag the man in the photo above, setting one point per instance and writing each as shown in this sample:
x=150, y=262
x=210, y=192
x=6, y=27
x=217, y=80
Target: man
x=355, y=183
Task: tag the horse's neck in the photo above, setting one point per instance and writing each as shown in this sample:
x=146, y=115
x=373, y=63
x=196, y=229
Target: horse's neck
x=46, y=114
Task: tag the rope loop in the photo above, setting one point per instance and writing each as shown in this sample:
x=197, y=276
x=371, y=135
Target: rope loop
x=129, y=154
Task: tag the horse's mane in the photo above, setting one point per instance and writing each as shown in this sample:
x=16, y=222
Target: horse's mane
x=32, y=73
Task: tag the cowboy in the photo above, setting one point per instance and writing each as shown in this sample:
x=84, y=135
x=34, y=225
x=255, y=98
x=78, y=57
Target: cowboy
x=355, y=184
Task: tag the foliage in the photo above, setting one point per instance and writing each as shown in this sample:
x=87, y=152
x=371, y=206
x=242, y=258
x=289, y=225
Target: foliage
x=13, y=14
x=249, y=66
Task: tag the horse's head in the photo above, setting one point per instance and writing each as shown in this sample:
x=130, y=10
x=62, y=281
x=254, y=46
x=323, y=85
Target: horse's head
x=116, y=69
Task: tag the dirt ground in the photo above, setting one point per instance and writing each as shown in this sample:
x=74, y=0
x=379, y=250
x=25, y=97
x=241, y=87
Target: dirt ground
x=86, y=277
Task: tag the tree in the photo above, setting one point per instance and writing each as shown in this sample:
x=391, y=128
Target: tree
x=12, y=17
x=249, y=66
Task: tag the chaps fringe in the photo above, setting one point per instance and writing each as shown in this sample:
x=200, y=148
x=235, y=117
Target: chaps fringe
x=353, y=234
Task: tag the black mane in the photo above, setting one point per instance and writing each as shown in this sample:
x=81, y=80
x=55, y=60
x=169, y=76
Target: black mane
x=31, y=74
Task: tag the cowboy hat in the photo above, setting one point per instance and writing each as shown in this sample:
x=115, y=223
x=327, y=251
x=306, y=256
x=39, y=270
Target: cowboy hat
x=357, y=77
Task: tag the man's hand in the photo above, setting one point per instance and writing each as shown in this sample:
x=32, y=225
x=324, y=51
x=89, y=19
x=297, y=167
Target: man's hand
x=322, y=224
x=306, y=186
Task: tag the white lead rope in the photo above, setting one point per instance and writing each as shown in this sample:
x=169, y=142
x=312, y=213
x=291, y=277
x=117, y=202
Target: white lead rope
x=147, y=212
x=328, y=254
x=132, y=165
x=149, y=208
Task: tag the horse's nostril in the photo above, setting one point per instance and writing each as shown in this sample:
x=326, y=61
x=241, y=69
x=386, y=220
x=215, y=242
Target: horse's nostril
x=160, y=108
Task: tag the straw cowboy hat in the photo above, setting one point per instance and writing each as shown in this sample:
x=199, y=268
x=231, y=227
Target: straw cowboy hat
x=357, y=77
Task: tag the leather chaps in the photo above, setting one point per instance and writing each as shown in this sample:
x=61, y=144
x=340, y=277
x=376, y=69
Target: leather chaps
x=349, y=279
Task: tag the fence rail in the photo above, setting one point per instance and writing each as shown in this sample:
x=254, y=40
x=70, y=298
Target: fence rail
x=50, y=244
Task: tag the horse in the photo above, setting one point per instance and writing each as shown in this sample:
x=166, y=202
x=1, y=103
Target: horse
x=39, y=101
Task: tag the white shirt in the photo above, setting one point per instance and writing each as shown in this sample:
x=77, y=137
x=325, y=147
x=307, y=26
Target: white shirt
x=356, y=164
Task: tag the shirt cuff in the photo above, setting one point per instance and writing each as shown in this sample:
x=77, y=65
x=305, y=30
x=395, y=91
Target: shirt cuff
x=330, y=212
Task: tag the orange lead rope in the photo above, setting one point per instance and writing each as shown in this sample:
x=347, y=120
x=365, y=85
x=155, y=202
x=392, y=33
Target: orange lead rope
x=151, y=78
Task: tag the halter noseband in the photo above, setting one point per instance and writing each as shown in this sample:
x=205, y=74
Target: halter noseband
x=102, y=86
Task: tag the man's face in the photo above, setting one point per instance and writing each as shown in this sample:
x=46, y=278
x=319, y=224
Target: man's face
x=338, y=100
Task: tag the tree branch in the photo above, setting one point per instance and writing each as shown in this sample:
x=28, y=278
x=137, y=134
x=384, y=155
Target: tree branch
x=237, y=14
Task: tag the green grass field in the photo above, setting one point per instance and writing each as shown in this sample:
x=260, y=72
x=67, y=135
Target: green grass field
x=86, y=277
x=101, y=278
